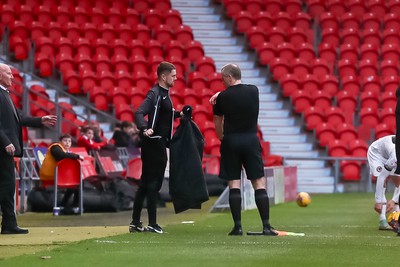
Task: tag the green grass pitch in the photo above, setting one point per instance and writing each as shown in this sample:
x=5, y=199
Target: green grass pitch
x=340, y=230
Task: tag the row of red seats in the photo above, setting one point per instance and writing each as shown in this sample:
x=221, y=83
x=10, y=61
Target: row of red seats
x=385, y=52
x=265, y=20
x=104, y=5
x=281, y=66
x=357, y=37
x=276, y=35
x=94, y=15
x=367, y=21
x=358, y=7
x=232, y=7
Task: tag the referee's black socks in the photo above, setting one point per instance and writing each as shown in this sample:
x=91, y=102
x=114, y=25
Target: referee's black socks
x=235, y=203
x=262, y=203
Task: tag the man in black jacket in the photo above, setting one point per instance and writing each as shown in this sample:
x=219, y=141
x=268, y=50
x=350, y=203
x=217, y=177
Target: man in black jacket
x=11, y=122
x=235, y=116
x=156, y=132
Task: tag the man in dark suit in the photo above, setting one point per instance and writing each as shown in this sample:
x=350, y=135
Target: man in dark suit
x=11, y=123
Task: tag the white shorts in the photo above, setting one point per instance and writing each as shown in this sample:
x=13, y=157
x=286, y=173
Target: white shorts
x=375, y=162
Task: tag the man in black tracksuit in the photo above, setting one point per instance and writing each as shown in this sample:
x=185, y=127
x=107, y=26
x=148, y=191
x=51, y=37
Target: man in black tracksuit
x=156, y=133
x=235, y=116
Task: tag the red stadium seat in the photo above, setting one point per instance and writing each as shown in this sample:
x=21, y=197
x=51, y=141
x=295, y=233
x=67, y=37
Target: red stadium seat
x=371, y=36
x=325, y=133
x=390, y=51
x=253, y=6
x=194, y=50
x=136, y=96
x=393, y=6
x=329, y=84
x=215, y=82
x=346, y=132
x=173, y=18
x=243, y=21
x=263, y=20
x=389, y=67
x=313, y=116
x=296, y=36
x=301, y=19
x=133, y=17
x=98, y=16
x=44, y=64
x=334, y=116
x=349, y=52
x=382, y=130
x=377, y=7
x=120, y=63
x=328, y=52
x=351, y=170
x=256, y=36
x=115, y=17
x=316, y=7
x=330, y=36
x=391, y=21
x=306, y=51
x=99, y=97
x=350, y=21
x=388, y=117
x=337, y=148
x=347, y=68
x=367, y=68
x=371, y=84
x=358, y=148
x=124, y=112
x=266, y=52
x=118, y=96
x=390, y=83
x=205, y=65
x=350, y=36
x=7, y=14
x=369, y=117
x=282, y=20
x=301, y=100
x=371, y=21
x=91, y=32
x=286, y=51
x=163, y=33
x=346, y=101
x=232, y=7
x=89, y=80
x=357, y=7
x=205, y=96
x=123, y=79
x=279, y=67
x=310, y=83
x=289, y=83
x=351, y=84
x=329, y=20
x=191, y=97
x=153, y=18
x=320, y=67
x=300, y=67
x=175, y=49
x=275, y=35
x=45, y=15
x=197, y=80
x=336, y=7
x=293, y=7
x=71, y=79
x=389, y=99
x=322, y=99
x=369, y=51
x=183, y=33
x=37, y=30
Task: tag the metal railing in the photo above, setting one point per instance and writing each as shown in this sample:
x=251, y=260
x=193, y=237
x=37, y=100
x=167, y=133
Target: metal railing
x=336, y=167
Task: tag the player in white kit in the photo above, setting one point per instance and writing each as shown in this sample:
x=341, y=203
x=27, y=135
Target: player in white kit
x=382, y=162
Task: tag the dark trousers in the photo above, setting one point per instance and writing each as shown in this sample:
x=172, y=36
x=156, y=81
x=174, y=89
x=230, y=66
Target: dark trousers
x=7, y=190
x=154, y=158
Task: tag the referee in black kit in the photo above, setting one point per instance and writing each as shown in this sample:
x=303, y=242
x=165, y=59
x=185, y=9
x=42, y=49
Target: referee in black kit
x=235, y=116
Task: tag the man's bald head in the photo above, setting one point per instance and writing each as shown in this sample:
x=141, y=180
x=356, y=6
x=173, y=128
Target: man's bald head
x=6, y=77
x=232, y=70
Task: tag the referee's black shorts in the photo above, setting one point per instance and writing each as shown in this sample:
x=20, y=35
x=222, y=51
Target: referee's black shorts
x=241, y=149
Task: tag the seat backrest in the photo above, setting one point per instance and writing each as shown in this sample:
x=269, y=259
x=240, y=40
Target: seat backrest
x=68, y=173
x=134, y=169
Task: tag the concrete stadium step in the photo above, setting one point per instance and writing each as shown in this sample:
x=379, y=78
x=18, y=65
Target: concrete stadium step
x=287, y=138
x=198, y=10
x=282, y=130
x=204, y=18
x=291, y=147
x=52, y=94
x=244, y=64
x=234, y=57
x=325, y=189
x=309, y=154
x=257, y=82
x=267, y=96
x=265, y=88
x=313, y=172
x=225, y=50
x=64, y=99
x=79, y=110
x=273, y=113
x=316, y=180
x=271, y=105
x=217, y=41
x=205, y=25
x=212, y=33
x=192, y=3
x=306, y=163
x=105, y=126
x=277, y=122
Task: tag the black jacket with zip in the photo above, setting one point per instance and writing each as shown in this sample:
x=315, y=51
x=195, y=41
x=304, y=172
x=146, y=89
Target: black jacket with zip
x=151, y=107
